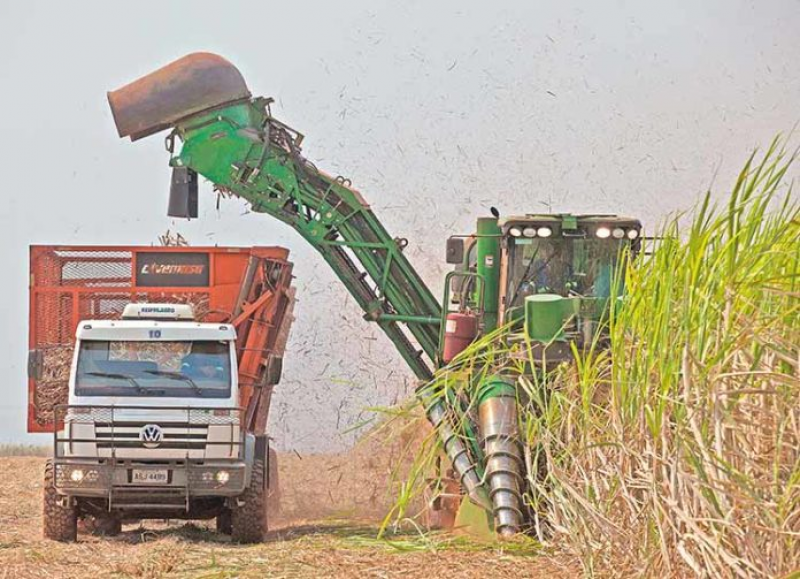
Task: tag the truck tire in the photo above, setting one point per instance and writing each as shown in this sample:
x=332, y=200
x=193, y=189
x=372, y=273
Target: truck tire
x=60, y=523
x=249, y=520
x=224, y=522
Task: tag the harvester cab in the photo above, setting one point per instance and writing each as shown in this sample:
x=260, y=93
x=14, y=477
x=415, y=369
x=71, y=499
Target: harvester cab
x=547, y=276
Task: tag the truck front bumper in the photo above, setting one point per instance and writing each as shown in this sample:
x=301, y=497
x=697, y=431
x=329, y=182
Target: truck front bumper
x=185, y=478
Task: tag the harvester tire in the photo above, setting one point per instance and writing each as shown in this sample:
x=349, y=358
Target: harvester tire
x=249, y=519
x=224, y=522
x=60, y=522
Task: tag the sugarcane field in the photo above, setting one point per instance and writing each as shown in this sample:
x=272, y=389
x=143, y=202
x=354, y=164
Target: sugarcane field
x=400, y=290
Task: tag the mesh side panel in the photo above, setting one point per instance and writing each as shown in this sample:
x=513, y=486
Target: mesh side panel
x=95, y=268
x=102, y=306
x=52, y=319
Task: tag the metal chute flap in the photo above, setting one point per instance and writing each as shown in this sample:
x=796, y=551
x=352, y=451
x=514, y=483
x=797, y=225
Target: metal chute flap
x=190, y=85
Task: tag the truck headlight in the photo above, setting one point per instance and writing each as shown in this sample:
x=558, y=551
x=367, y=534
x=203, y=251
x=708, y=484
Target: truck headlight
x=76, y=475
x=223, y=477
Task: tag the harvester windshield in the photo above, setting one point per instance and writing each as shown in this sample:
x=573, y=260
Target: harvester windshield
x=563, y=266
x=128, y=368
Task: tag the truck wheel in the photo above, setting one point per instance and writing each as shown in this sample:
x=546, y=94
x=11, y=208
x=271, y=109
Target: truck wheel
x=103, y=526
x=249, y=521
x=60, y=523
x=224, y=522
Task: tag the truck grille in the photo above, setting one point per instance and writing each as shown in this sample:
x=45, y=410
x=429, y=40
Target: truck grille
x=175, y=436
x=122, y=432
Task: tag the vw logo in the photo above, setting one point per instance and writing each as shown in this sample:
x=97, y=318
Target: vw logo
x=151, y=435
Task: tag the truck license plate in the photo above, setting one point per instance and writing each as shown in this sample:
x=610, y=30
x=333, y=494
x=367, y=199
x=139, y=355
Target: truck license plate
x=150, y=477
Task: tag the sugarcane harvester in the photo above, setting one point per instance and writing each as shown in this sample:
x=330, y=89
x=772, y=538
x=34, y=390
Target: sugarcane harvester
x=535, y=273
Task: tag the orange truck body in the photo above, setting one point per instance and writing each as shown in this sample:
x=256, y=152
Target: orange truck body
x=247, y=287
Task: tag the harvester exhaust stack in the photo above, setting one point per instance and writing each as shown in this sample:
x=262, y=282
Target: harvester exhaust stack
x=190, y=85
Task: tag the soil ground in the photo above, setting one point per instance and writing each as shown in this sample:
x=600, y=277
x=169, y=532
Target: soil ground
x=322, y=546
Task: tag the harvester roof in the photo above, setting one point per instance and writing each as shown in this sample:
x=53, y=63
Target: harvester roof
x=561, y=217
x=569, y=224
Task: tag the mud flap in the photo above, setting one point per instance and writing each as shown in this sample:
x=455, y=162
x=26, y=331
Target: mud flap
x=262, y=454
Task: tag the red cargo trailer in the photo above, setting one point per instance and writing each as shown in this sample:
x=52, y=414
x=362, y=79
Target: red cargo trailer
x=247, y=287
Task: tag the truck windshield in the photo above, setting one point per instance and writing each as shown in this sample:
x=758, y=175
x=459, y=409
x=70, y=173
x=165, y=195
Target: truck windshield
x=584, y=267
x=178, y=369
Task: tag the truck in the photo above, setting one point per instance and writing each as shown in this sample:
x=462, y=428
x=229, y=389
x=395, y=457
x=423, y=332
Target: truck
x=154, y=369
x=543, y=281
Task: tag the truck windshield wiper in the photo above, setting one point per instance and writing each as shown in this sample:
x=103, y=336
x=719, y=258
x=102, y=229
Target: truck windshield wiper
x=139, y=387
x=177, y=376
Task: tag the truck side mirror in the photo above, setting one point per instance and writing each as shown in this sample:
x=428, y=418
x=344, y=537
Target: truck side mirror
x=35, y=364
x=455, y=250
x=183, y=193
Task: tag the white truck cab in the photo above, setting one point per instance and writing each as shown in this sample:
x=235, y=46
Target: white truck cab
x=152, y=428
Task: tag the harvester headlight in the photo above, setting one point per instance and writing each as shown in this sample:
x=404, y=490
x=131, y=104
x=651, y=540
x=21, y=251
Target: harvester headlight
x=529, y=232
x=618, y=233
x=603, y=232
x=515, y=232
x=223, y=477
x=544, y=232
x=76, y=475
x=633, y=233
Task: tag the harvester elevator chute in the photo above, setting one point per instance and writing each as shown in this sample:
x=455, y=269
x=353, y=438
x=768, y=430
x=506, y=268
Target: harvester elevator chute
x=236, y=144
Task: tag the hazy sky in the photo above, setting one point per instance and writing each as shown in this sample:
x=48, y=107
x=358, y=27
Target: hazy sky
x=435, y=110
